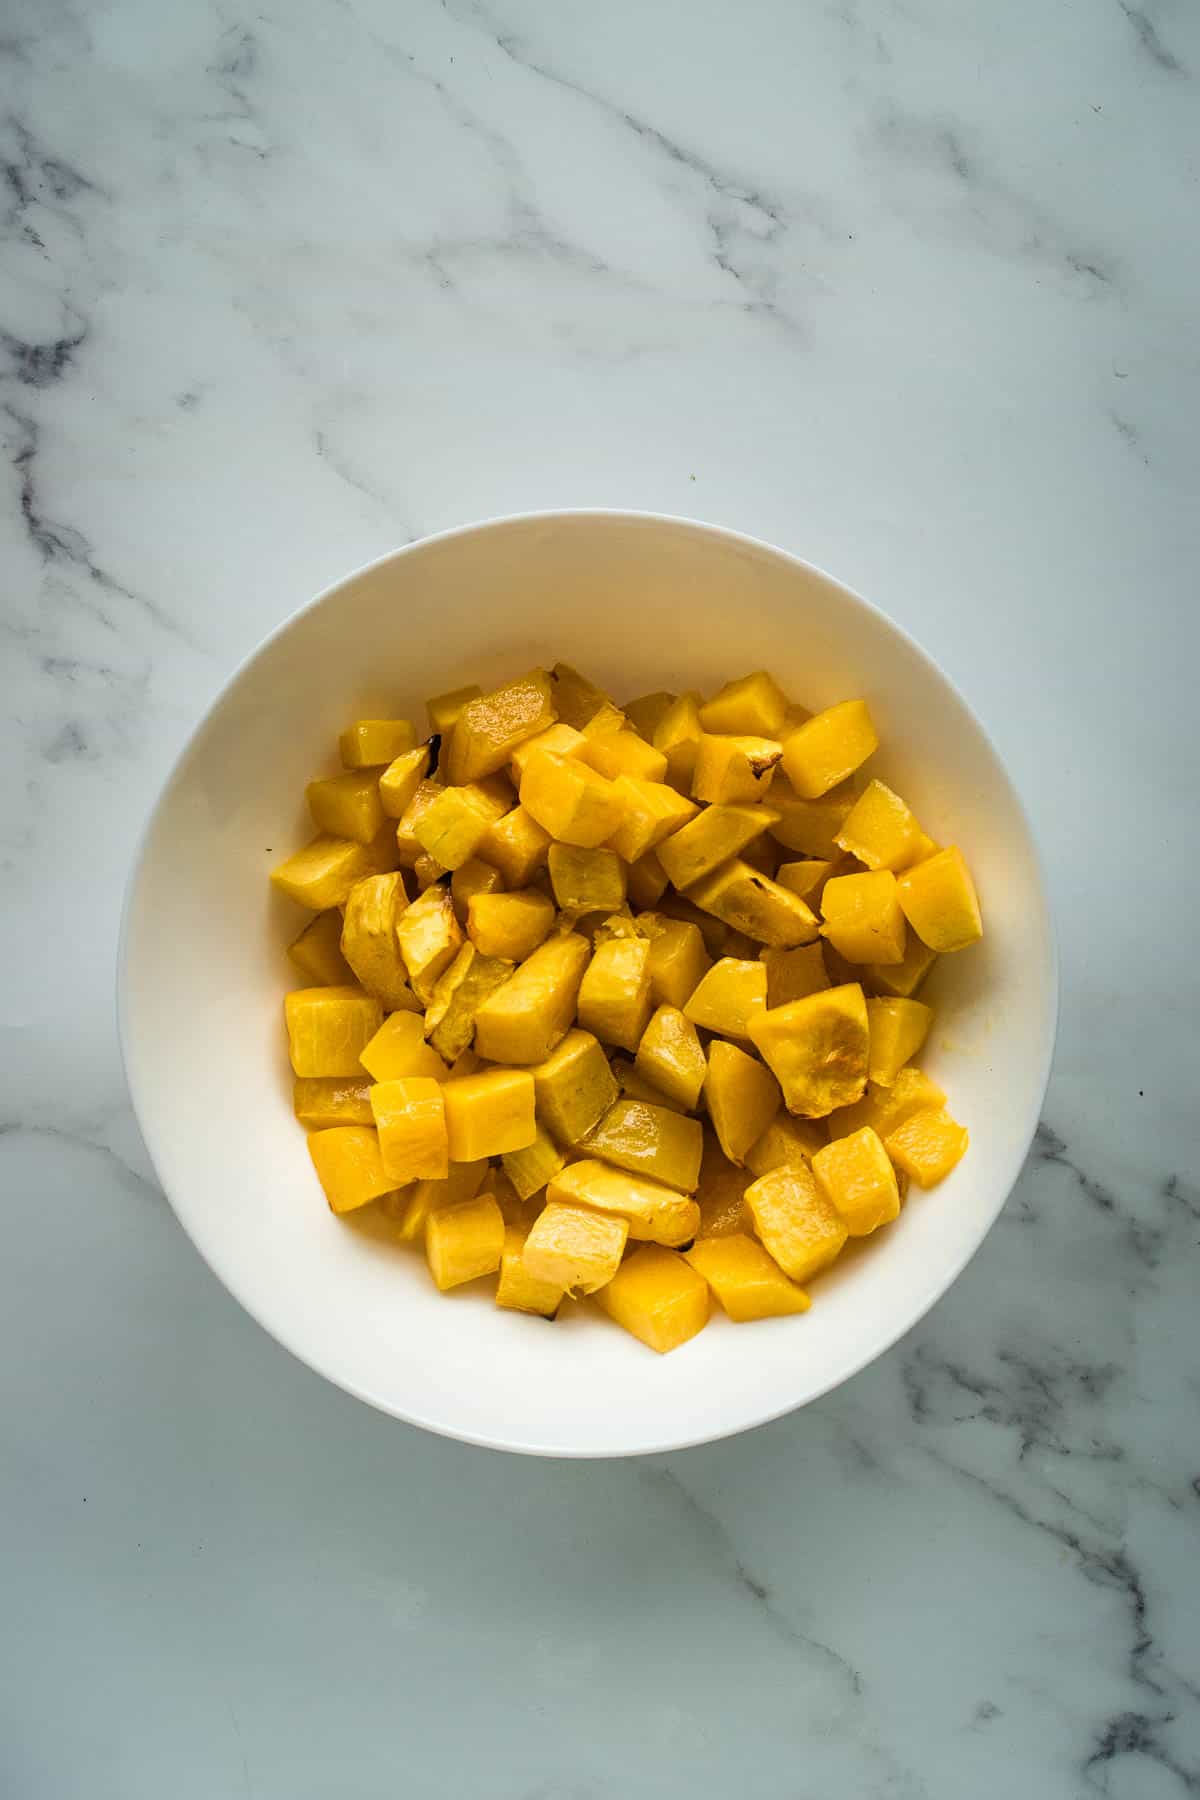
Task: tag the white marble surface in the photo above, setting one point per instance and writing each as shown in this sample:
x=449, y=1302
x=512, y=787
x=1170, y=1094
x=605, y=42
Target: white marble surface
x=905, y=285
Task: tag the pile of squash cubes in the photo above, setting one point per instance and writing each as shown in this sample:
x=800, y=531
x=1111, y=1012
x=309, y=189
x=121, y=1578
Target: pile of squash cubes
x=621, y=1002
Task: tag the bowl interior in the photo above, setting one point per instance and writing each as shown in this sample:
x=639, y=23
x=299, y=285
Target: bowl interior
x=641, y=603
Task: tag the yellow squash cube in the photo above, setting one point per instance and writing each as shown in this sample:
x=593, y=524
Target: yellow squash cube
x=559, y=740
x=517, y=1289
x=714, y=931
x=464, y=1242
x=409, y=848
x=622, y=752
x=488, y=729
x=349, y=1166
x=658, y=1298
x=940, y=902
x=809, y=827
x=574, y=1248
x=317, y=952
x=647, y=712
x=818, y=1049
x=862, y=917
x=671, y=1057
x=614, y=995
x=729, y=997
x=370, y=945
x=753, y=705
x=570, y=800
x=444, y=709
x=677, y=960
x=858, y=1178
x=347, y=806
x=411, y=1122
x=748, y=1283
x=430, y=937
x=400, y=780
x=719, y=1196
x=523, y=1021
x=452, y=828
x=510, y=925
x=881, y=830
x=369, y=743
x=710, y=839
x=677, y=735
x=328, y=1028
x=822, y=753
x=517, y=846
x=753, y=903
x=787, y=1143
x=647, y=880
x=634, y=1086
x=905, y=977
x=322, y=874
x=649, y=1140
x=652, y=811
x=490, y=1113
x=654, y=1212
x=927, y=1145
x=742, y=1098
x=574, y=1087
x=763, y=855
x=797, y=1222
x=531, y=1168
x=884, y=1108
x=791, y=974
x=320, y=1101
x=732, y=770
x=898, y=1029
x=460, y=992
x=473, y=877
x=408, y=1210
x=576, y=699
x=586, y=880
x=398, y=1049
x=806, y=878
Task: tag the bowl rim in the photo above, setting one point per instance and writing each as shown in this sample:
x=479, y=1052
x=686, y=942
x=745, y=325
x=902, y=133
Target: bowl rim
x=439, y=1426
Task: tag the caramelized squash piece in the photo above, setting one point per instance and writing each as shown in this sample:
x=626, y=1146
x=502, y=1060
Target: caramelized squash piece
x=523, y=1021
x=751, y=902
x=747, y=1282
x=490, y=1113
x=742, y=1098
x=719, y=1196
x=322, y=874
x=810, y=827
x=370, y=943
x=349, y=1166
x=517, y=1289
x=658, y=1298
x=862, y=917
x=881, y=830
x=577, y=700
x=569, y=800
x=940, y=903
x=654, y=1212
x=729, y=997
x=317, y=952
x=898, y=1029
x=671, y=1057
x=927, y=1145
x=574, y=1087
x=731, y=770
x=530, y=1168
x=430, y=937
x=886, y=1107
x=411, y=1122
x=754, y=704
x=797, y=1222
x=817, y=1048
x=651, y=812
x=322, y=1101
x=409, y=1208
x=328, y=1028
x=831, y=746
x=677, y=735
x=369, y=743
x=398, y=1049
x=347, y=806
x=586, y=880
x=400, y=780
x=710, y=839
x=575, y=1248
x=464, y=1242
x=857, y=1176
x=460, y=992
x=488, y=730
x=614, y=995
x=792, y=974
x=649, y=1140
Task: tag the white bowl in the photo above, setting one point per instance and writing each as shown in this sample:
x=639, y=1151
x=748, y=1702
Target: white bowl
x=640, y=602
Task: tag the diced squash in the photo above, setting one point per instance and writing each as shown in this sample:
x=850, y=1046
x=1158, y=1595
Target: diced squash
x=714, y=931
x=649, y=1140
x=927, y=1145
x=858, y=1178
x=647, y=712
x=710, y=839
x=748, y=1283
x=411, y=1122
x=517, y=846
x=369, y=743
x=322, y=874
x=658, y=1298
x=559, y=740
x=787, y=1143
x=862, y=917
x=444, y=709
x=898, y=1028
x=655, y=1213
x=321, y=1101
x=464, y=1242
x=763, y=855
x=457, y=997
x=796, y=1221
x=349, y=1166
x=430, y=937
x=732, y=770
x=885, y=1108
x=586, y=880
x=347, y=806
x=328, y=1028
x=400, y=780
x=473, y=877
x=570, y=800
x=791, y=974
x=517, y=1289
x=822, y=753
x=317, y=952
x=806, y=878
x=809, y=827
x=753, y=903
x=647, y=880
x=622, y=752
x=671, y=1057
x=881, y=830
x=510, y=925
x=817, y=1048
x=398, y=1049
x=409, y=1209
x=575, y=1248
x=614, y=995
x=678, y=735
x=531, y=1168
x=576, y=699
x=905, y=977
x=374, y=907
x=634, y=1086
x=742, y=1098
x=488, y=729
x=729, y=997
x=490, y=1113
x=652, y=811
x=456, y=823
x=428, y=870
x=408, y=845
x=574, y=1087
x=516, y=1211
x=719, y=1196
x=940, y=903
x=753, y=705
x=523, y=1021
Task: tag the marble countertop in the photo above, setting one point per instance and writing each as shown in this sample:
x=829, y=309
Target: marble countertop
x=907, y=286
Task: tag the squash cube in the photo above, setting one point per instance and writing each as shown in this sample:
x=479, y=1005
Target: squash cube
x=748, y=1283
x=460, y=992
x=898, y=1028
x=444, y=709
x=857, y=1177
x=398, y=1049
x=652, y=811
x=430, y=937
x=570, y=800
x=574, y=1087
x=517, y=1289
x=810, y=827
x=653, y=1211
x=719, y=1196
x=729, y=997
x=710, y=839
x=517, y=846
x=927, y=1145
x=678, y=735
x=369, y=941
x=787, y=1143
x=369, y=743
x=862, y=917
x=523, y=1021
x=753, y=903
x=742, y=1098
x=452, y=828
x=322, y=874
x=940, y=902
x=575, y=1248
x=647, y=880
x=753, y=705
x=531, y=1168
x=317, y=952
x=714, y=931
x=797, y=1222
x=881, y=830
x=576, y=699
x=620, y=753
x=409, y=1209
x=614, y=995
x=488, y=730
x=903, y=978
x=731, y=770
x=677, y=960
x=658, y=1298
x=649, y=1140
x=490, y=1113
x=473, y=877
x=409, y=848
x=805, y=878
x=647, y=712
x=817, y=1048
x=671, y=1057
x=634, y=1086
x=347, y=806
x=509, y=925
x=349, y=1166
x=586, y=880
x=321, y=1101
x=400, y=780
x=464, y=1242
x=885, y=1108
x=791, y=974
x=328, y=1028
x=822, y=753
x=411, y=1122
x=559, y=740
